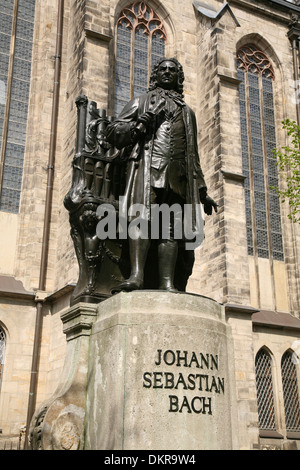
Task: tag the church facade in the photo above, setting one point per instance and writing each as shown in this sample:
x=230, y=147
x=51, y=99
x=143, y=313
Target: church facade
x=241, y=63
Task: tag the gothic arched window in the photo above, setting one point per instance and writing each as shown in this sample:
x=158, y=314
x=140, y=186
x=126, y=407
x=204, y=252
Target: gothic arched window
x=264, y=387
x=258, y=138
x=2, y=352
x=290, y=385
x=141, y=39
x=16, y=41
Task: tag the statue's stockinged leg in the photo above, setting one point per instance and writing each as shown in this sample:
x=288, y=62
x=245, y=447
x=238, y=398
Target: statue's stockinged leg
x=167, y=256
x=138, y=254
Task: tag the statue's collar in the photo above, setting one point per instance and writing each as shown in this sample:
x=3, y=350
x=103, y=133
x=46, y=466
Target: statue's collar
x=171, y=94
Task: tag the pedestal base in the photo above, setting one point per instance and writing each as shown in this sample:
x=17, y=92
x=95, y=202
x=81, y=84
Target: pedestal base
x=159, y=374
x=58, y=424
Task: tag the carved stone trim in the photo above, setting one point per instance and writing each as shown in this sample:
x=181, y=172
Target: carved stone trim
x=78, y=320
x=94, y=34
x=233, y=176
x=138, y=15
x=228, y=79
x=245, y=311
x=250, y=59
x=58, y=424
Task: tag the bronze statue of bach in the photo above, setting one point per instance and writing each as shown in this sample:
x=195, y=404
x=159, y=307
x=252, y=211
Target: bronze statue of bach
x=163, y=166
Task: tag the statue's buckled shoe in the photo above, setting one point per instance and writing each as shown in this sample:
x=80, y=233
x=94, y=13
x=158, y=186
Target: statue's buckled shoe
x=167, y=286
x=128, y=286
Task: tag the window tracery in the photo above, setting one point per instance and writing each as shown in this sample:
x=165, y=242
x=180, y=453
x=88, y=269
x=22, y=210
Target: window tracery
x=141, y=38
x=250, y=59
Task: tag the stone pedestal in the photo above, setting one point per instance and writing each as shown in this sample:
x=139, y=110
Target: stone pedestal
x=160, y=374
x=58, y=424
x=147, y=370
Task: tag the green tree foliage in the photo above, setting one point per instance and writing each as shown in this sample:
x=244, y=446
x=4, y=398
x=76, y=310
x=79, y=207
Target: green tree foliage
x=288, y=161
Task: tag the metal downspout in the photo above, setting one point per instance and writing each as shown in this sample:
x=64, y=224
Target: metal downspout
x=47, y=220
x=294, y=36
x=296, y=76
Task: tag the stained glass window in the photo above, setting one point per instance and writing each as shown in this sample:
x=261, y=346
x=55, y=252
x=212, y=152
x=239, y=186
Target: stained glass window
x=264, y=387
x=290, y=385
x=141, y=39
x=17, y=22
x=258, y=139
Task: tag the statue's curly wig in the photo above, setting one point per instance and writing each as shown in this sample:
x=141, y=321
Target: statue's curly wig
x=153, y=79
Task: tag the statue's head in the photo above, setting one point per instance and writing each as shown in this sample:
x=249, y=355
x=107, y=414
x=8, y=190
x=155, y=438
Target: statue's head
x=168, y=74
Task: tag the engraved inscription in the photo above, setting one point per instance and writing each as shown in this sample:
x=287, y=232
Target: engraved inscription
x=201, y=374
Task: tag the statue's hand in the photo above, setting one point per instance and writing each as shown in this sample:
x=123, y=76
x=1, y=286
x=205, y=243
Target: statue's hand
x=208, y=203
x=144, y=121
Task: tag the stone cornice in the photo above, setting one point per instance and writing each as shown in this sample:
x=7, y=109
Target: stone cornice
x=233, y=176
x=264, y=318
x=279, y=320
x=279, y=10
x=91, y=33
x=286, y=5
x=12, y=288
x=229, y=79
